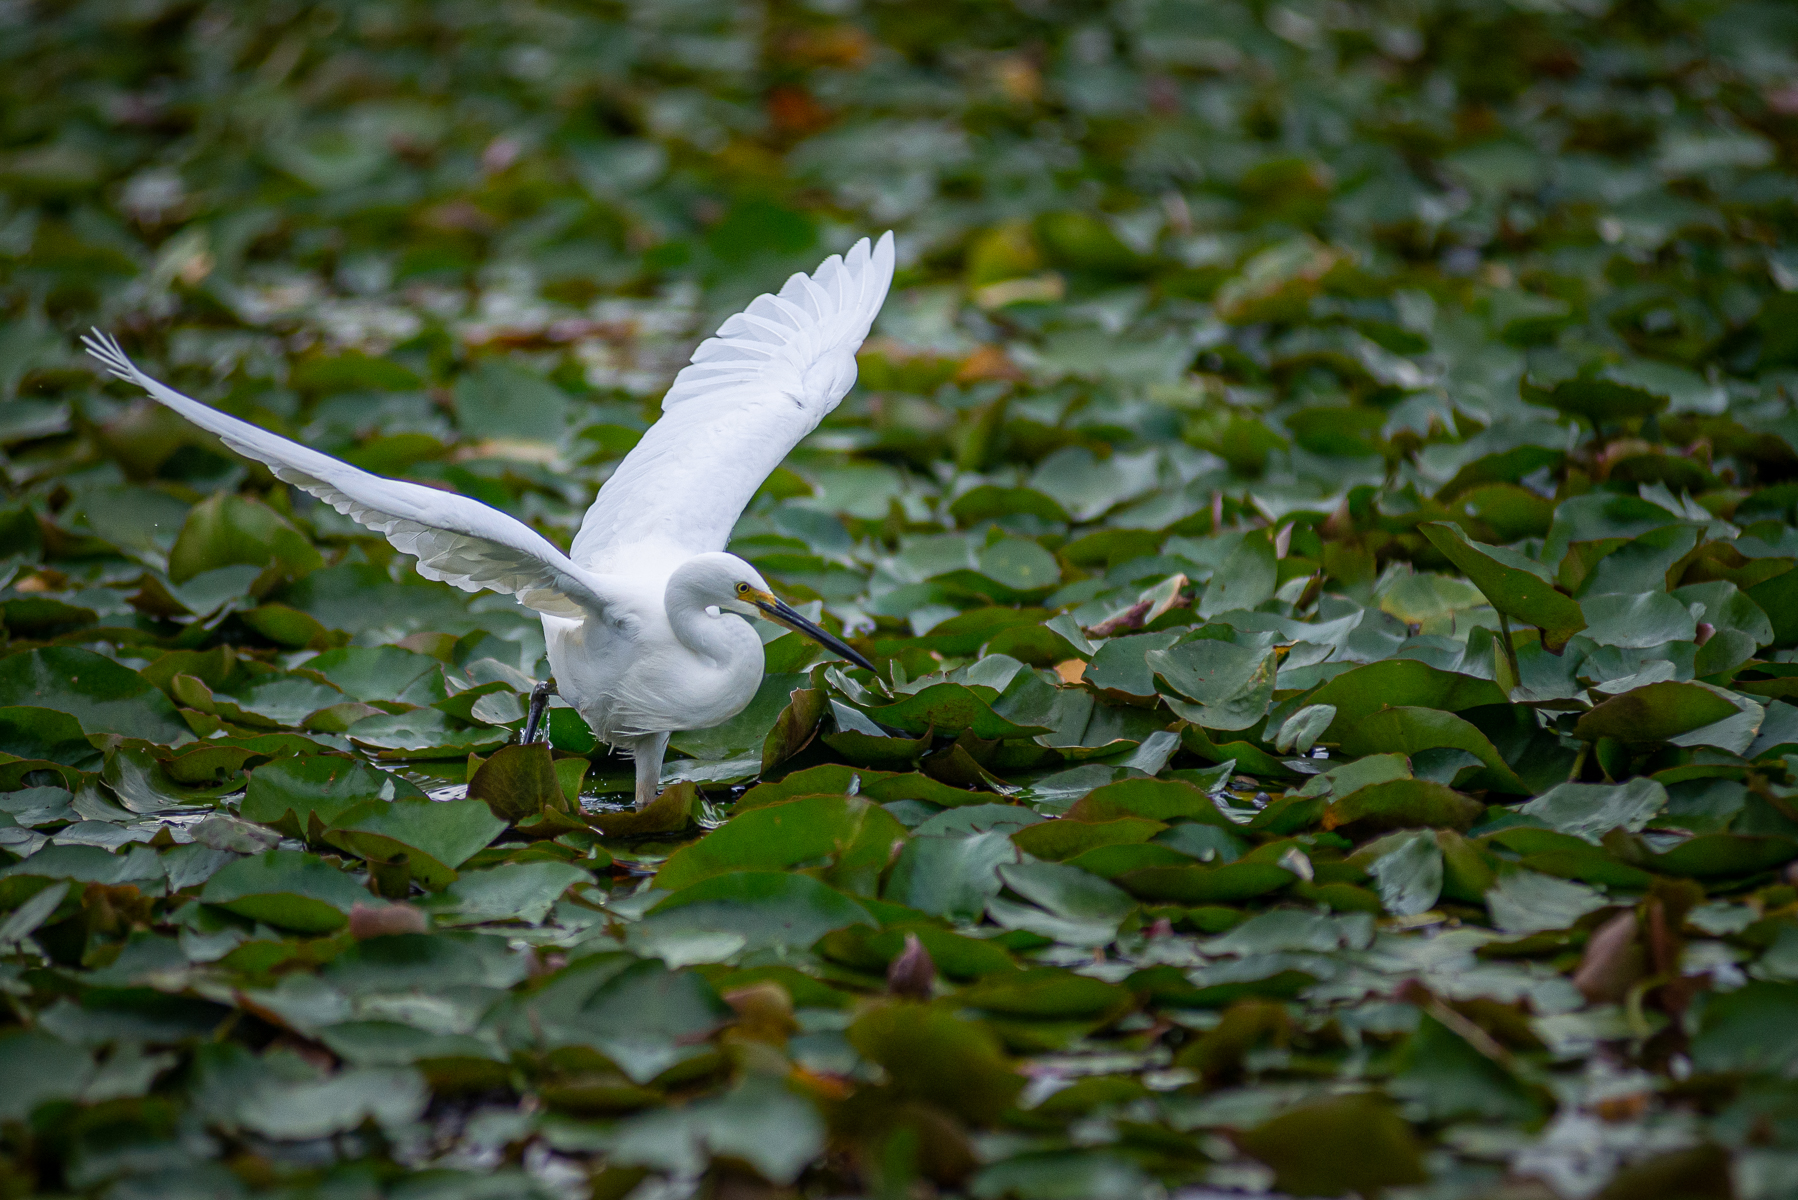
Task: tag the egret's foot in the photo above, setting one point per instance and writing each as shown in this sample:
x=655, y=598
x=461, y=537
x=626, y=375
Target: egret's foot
x=539, y=702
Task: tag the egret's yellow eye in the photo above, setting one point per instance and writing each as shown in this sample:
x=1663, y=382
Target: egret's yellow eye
x=742, y=588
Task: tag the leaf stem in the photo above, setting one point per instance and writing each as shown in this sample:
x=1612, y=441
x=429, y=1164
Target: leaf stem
x=1504, y=629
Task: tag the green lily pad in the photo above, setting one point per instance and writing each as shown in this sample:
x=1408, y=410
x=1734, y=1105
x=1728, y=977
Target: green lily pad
x=1226, y=884
x=1355, y=1142
x=950, y=875
x=1245, y=580
x=522, y=891
x=856, y=836
x=518, y=783
x=1655, y=713
x=949, y=708
x=1400, y=683
x=287, y=889
x=431, y=838
x=1056, y=841
x=933, y=1056
x=1410, y=729
x=1403, y=804
x=766, y=909
x=1589, y=810
x=102, y=695
x=1521, y=589
x=290, y=794
x=29, y=732
x=1153, y=799
x=1231, y=686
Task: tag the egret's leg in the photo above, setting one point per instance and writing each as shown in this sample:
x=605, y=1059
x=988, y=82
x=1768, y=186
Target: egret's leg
x=539, y=701
x=648, y=751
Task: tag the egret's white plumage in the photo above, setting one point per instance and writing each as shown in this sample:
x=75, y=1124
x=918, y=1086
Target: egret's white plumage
x=641, y=618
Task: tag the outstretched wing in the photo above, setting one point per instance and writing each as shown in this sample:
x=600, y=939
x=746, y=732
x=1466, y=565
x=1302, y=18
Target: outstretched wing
x=765, y=381
x=455, y=539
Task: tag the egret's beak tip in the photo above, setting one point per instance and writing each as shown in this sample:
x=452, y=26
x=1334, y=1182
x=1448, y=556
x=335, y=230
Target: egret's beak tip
x=782, y=613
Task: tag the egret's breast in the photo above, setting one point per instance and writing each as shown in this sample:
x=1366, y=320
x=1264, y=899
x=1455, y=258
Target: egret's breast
x=648, y=682
x=685, y=691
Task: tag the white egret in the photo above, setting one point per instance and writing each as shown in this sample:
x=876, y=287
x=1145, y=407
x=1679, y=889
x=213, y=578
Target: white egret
x=643, y=617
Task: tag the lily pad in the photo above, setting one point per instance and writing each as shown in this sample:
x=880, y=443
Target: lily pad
x=102, y=695
x=288, y=890
x=1521, y=589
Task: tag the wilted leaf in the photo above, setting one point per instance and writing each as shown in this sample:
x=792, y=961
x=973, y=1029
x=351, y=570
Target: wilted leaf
x=518, y=782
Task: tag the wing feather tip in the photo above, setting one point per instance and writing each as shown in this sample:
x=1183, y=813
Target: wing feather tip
x=105, y=349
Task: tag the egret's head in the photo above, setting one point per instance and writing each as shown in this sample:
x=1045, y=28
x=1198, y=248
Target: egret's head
x=732, y=585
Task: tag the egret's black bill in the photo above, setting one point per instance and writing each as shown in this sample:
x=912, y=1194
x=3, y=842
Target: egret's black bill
x=782, y=613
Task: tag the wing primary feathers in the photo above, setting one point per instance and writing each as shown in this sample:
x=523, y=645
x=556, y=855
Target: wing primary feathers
x=751, y=392
x=455, y=539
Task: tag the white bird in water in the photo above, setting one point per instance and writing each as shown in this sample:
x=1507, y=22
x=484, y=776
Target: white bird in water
x=643, y=618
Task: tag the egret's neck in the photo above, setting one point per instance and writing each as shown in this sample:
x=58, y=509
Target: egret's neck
x=720, y=638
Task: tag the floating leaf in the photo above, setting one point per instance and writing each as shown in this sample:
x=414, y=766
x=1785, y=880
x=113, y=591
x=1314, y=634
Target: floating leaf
x=1230, y=685
x=949, y=708
x=1245, y=580
x=225, y=530
x=1070, y=904
x=1350, y=1142
x=1409, y=876
x=934, y=1057
x=950, y=875
x=99, y=693
x=1401, y=682
x=1409, y=729
x=1154, y=799
x=1403, y=804
x=1230, y=883
x=294, y=793
x=1521, y=589
x=287, y=889
x=431, y=838
x=518, y=782
x=1530, y=902
x=1451, y=1079
x=1654, y=713
x=856, y=834
x=764, y=908
x=1640, y=621
x=1591, y=810
x=521, y=891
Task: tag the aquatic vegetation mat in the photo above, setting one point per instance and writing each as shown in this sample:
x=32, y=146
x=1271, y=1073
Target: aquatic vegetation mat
x=1320, y=497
